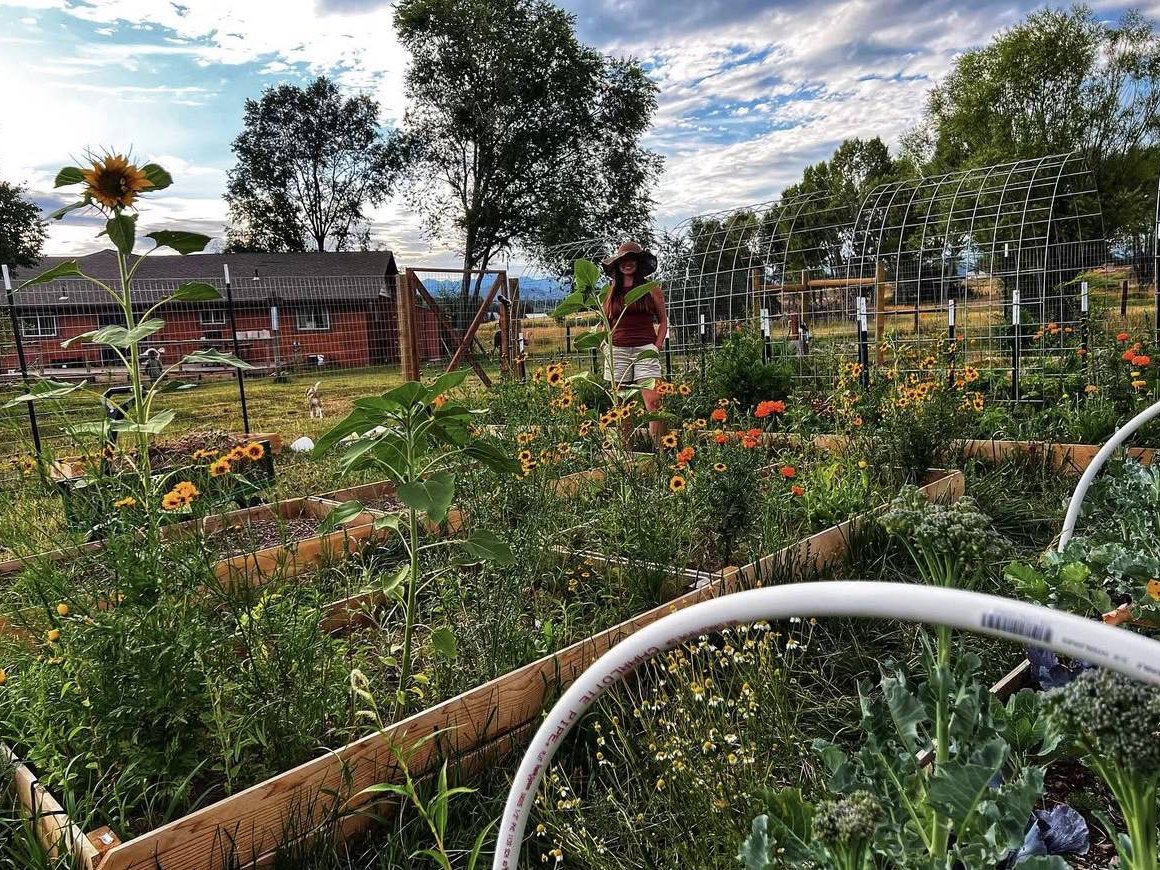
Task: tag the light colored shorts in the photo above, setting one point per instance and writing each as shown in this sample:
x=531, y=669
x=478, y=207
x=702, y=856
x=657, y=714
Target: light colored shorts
x=627, y=369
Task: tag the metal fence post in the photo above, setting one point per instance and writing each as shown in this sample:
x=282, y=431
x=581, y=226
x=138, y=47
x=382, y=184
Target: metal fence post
x=18, y=341
x=1015, y=341
x=237, y=350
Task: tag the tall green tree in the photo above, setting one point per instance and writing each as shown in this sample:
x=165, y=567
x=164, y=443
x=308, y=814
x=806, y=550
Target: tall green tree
x=22, y=232
x=310, y=161
x=521, y=136
x=1058, y=81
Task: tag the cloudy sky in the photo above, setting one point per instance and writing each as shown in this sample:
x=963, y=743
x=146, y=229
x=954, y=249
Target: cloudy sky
x=750, y=90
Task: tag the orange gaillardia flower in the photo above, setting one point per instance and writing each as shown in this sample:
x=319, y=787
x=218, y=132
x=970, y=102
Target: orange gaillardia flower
x=126, y=502
x=114, y=182
x=685, y=456
x=718, y=415
x=1141, y=361
x=797, y=490
x=255, y=451
x=788, y=471
x=1123, y=336
x=219, y=468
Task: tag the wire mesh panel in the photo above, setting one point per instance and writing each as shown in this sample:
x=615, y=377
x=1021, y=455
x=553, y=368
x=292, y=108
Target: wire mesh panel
x=1013, y=246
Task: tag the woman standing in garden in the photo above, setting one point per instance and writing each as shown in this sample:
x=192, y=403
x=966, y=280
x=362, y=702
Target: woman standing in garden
x=638, y=328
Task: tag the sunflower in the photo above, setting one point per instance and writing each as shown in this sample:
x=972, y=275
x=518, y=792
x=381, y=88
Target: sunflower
x=565, y=401
x=254, y=451
x=676, y=483
x=669, y=440
x=114, y=182
x=720, y=466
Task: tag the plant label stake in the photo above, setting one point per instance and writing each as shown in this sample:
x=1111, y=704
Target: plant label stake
x=237, y=349
x=950, y=341
x=523, y=367
x=765, y=336
x=1015, y=339
x=668, y=359
x=16, y=337
x=863, y=345
x=701, y=332
x=1083, y=320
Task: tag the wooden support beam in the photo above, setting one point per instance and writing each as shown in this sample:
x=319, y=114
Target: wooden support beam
x=55, y=830
x=405, y=306
x=448, y=327
x=469, y=336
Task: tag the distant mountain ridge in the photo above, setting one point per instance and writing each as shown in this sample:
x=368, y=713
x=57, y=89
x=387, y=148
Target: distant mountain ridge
x=538, y=289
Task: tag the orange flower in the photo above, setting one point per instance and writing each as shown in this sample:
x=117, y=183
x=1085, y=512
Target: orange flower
x=764, y=409
x=439, y=401
x=797, y=490
x=1153, y=589
x=686, y=456
x=1141, y=360
x=788, y=471
x=114, y=182
x=1082, y=351
x=1123, y=336
x=219, y=468
x=254, y=451
x=718, y=415
x=126, y=502
x=721, y=438
x=748, y=443
x=676, y=483
x=1128, y=355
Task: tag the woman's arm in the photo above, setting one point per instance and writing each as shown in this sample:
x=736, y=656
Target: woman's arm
x=662, y=316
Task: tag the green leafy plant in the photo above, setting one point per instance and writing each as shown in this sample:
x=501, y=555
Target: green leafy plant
x=417, y=437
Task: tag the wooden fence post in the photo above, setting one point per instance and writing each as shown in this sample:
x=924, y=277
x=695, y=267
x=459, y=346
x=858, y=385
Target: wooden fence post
x=408, y=352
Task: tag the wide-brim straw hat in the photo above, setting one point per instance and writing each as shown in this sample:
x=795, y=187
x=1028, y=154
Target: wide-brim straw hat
x=646, y=261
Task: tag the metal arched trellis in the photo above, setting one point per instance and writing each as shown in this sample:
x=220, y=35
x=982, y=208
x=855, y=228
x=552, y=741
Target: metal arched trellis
x=1018, y=248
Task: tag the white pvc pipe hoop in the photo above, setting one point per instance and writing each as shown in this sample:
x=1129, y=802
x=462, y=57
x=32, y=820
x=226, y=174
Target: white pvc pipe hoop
x=1119, y=437
x=1065, y=633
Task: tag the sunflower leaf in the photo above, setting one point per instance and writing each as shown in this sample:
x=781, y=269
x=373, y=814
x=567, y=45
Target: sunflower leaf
x=63, y=210
x=182, y=242
x=69, y=175
x=64, y=270
x=160, y=178
x=122, y=231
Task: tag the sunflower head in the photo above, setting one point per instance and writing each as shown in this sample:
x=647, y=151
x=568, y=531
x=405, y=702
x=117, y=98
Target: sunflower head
x=114, y=182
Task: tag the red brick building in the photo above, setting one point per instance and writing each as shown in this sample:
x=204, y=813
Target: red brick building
x=290, y=310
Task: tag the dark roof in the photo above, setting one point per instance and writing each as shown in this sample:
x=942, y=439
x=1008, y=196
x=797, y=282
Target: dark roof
x=315, y=277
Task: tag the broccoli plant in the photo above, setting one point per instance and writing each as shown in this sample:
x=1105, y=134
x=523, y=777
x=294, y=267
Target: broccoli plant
x=1114, y=722
x=836, y=833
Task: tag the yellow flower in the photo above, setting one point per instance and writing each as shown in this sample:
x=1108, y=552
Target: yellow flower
x=3, y=676
x=171, y=501
x=525, y=438
x=684, y=389
x=1091, y=389
x=199, y=455
x=114, y=182
x=254, y=451
x=862, y=463
x=222, y=466
x=720, y=466
x=62, y=609
x=52, y=635
x=1153, y=589
x=1139, y=384
x=676, y=483
x=669, y=440
x=126, y=502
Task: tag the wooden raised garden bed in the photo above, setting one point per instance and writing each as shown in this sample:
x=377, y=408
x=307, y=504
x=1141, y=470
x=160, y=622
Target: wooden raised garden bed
x=472, y=728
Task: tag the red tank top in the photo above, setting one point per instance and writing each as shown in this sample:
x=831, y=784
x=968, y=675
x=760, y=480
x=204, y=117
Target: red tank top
x=637, y=326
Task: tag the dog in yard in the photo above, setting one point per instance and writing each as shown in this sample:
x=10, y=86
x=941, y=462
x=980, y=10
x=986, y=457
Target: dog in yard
x=314, y=402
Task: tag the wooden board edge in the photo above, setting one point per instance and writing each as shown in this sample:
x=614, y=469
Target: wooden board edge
x=54, y=828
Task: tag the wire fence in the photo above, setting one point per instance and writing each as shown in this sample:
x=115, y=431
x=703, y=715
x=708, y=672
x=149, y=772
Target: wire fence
x=1010, y=261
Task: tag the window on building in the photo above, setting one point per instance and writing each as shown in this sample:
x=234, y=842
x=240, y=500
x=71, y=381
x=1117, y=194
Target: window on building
x=38, y=325
x=212, y=316
x=312, y=319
